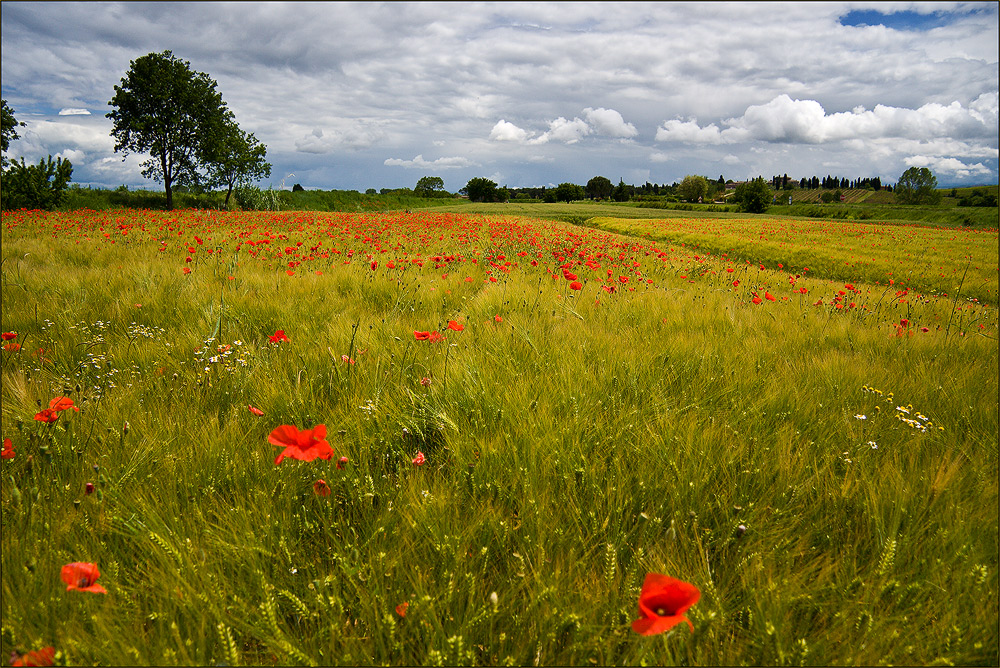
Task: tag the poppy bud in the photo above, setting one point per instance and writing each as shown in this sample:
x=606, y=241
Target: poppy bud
x=740, y=530
x=88, y=488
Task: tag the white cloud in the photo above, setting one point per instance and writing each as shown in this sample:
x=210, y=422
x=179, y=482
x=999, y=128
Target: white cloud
x=947, y=165
x=418, y=162
x=74, y=112
x=609, y=122
x=688, y=132
x=569, y=132
x=504, y=131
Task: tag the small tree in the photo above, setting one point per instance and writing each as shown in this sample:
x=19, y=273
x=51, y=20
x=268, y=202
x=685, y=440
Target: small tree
x=40, y=186
x=917, y=186
x=428, y=186
x=599, y=187
x=174, y=114
x=692, y=188
x=567, y=192
x=481, y=190
x=8, y=130
x=754, y=196
x=235, y=158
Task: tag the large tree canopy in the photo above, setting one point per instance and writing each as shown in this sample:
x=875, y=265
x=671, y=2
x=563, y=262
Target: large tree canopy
x=754, y=196
x=174, y=114
x=917, y=186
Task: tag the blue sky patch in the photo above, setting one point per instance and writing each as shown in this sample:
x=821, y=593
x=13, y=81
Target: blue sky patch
x=904, y=20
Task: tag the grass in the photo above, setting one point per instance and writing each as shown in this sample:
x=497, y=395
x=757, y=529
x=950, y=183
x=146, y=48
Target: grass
x=575, y=441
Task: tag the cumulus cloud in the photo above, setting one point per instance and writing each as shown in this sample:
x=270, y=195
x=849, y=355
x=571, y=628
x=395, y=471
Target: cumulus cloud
x=73, y=112
x=601, y=121
x=354, y=134
x=947, y=165
x=784, y=120
x=504, y=131
x=418, y=162
x=609, y=123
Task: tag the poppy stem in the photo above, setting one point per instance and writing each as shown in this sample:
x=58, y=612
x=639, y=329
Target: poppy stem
x=444, y=388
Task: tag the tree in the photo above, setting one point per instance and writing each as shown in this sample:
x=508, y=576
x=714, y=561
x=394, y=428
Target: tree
x=174, y=114
x=235, y=158
x=481, y=190
x=692, y=188
x=567, y=192
x=429, y=186
x=8, y=130
x=40, y=186
x=917, y=186
x=599, y=187
x=623, y=192
x=753, y=196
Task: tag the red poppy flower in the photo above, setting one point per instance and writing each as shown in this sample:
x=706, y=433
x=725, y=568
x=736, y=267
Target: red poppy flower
x=47, y=415
x=62, y=404
x=7, y=336
x=768, y=296
x=81, y=575
x=279, y=336
x=434, y=337
x=757, y=300
x=568, y=275
x=39, y=657
x=454, y=326
x=421, y=336
x=88, y=489
x=305, y=445
x=321, y=488
x=401, y=608
x=8, y=449
x=342, y=462
x=12, y=346
x=576, y=285
x=419, y=460
x=256, y=411
x=662, y=604
x=187, y=270
x=497, y=318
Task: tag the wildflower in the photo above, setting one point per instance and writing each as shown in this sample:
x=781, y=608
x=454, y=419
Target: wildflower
x=342, y=462
x=256, y=411
x=7, y=336
x=434, y=337
x=12, y=346
x=38, y=657
x=81, y=576
x=187, y=270
x=425, y=381
x=576, y=285
x=346, y=360
x=925, y=329
x=62, y=404
x=8, y=449
x=860, y=417
x=497, y=318
x=662, y=604
x=88, y=489
x=279, y=336
x=305, y=445
x=757, y=300
x=454, y=326
x=401, y=608
x=47, y=415
x=419, y=460
x=321, y=488
x=421, y=336
x=768, y=296
x=873, y=445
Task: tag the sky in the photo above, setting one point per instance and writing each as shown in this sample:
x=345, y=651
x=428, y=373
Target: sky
x=352, y=96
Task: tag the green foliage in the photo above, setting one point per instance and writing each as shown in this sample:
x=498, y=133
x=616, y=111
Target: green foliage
x=165, y=109
x=978, y=197
x=568, y=192
x=599, y=187
x=235, y=158
x=40, y=186
x=754, y=196
x=429, y=186
x=252, y=198
x=8, y=130
x=481, y=190
x=917, y=185
x=693, y=188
